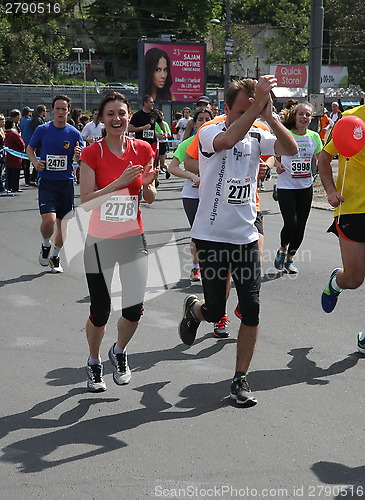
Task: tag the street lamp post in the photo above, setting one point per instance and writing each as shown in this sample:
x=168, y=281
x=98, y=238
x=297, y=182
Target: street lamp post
x=228, y=48
x=315, y=59
x=79, y=51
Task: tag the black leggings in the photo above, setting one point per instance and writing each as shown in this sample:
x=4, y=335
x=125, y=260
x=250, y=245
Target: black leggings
x=295, y=205
x=100, y=257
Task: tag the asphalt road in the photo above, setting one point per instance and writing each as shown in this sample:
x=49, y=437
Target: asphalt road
x=173, y=432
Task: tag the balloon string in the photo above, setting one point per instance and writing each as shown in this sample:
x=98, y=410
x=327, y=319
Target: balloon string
x=342, y=187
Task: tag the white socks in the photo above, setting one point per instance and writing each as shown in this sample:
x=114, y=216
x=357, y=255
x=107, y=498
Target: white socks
x=56, y=251
x=92, y=361
x=117, y=349
x=334, y=285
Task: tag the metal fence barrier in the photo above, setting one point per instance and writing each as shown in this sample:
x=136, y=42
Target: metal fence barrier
x=18, y=96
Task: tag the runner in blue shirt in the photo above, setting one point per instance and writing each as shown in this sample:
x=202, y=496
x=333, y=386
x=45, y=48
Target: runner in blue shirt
x=59, y=144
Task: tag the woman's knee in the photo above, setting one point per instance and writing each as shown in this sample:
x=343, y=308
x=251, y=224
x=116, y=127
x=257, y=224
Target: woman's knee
x=99, y=316
x=133, y=313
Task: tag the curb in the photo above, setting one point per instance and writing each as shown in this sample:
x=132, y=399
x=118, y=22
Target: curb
x=319, y=206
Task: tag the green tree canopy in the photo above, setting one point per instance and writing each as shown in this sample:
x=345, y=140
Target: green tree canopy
x=30, y=44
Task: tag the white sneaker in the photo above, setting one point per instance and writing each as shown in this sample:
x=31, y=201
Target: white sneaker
x=95, y=381
x=361, y=342
x=121, y=372
x=290, y=268
x=54, y=264
x=43, y=258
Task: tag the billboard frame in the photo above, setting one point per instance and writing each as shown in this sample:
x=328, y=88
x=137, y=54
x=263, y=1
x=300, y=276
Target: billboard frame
x=141, y=67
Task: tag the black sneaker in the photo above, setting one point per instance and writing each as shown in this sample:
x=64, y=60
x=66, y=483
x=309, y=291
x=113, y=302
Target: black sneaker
x=54, y=264
x=275, y=193
x=95, y=381
x=220, y=328
x=43, y=258
x=121, y=372
x=279, y=260
x=241, y=393
x=188, y=325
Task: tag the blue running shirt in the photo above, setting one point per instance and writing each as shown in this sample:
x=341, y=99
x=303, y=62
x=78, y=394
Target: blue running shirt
x=57, y=149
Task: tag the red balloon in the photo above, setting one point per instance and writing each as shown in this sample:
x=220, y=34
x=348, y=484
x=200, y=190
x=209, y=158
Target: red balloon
x=349, y=135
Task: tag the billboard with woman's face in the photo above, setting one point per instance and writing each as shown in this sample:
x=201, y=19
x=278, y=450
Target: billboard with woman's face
x=172, y=71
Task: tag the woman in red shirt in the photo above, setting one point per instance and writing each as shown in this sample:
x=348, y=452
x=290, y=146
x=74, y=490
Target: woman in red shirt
x=115, y=173
x=13, y=163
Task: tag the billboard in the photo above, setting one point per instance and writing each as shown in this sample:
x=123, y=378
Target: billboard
x=172, y=71
x=291, y=75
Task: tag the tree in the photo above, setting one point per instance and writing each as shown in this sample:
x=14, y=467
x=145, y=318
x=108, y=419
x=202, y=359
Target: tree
x=216, y=45
x=344, y=37
x=117, y=25
x=29, y=42
x=289, y=18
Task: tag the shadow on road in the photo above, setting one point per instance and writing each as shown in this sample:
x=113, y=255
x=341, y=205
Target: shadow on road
x=24, y=278
x=33, y=454
x=348, y=482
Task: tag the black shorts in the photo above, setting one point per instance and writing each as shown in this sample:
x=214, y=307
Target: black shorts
x=351, y=227
x=56, y=197
x=259, y=222
x=215, y=260
x=162, y=148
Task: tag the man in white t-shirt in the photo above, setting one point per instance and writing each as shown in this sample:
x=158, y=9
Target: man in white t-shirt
x=93, y=130
x=335, y=114
x=223, y=230
x=181, y=124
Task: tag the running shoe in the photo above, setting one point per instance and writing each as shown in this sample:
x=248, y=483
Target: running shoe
x=121, y=372
x=241, y=392
x=279, y=260
x=237, y=311
x=220, y=328
x=290, y=268
x=43, y=258
x=195, y=275
x=330, y=295
x=361, y=342
x=54, y=264
x=275, y=193
x=188, y=325
x=167, y=174
x=95, y=381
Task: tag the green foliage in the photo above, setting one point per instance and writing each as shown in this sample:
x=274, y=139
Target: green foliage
x=30, y=43
x=254, y=11
x=344, y=37
x=289, y=18
x=216, y=43
x=119, y=24
x=292, y=24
